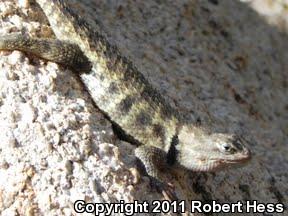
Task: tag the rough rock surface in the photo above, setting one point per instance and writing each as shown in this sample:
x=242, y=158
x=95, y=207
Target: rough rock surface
x=274, y=11
x=218, y=61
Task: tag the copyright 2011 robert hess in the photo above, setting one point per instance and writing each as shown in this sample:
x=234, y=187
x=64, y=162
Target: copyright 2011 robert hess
x=181, y=206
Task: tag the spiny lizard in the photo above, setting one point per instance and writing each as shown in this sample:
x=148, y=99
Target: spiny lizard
x=128, y=99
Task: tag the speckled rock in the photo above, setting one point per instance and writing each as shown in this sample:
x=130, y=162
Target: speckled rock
x=218, y=61
x=274, y=11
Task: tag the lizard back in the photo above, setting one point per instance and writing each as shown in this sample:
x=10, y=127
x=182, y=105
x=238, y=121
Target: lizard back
x=115, y=84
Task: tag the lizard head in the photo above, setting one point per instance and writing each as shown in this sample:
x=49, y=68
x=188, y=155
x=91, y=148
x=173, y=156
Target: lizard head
x=199, y=150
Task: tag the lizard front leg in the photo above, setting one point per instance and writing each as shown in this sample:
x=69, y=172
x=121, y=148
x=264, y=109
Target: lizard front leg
x=155, y=161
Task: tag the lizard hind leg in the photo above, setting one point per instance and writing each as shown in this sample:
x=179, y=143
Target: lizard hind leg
x=62, y=52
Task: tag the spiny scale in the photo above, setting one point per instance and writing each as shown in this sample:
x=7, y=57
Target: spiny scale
x=117, y=87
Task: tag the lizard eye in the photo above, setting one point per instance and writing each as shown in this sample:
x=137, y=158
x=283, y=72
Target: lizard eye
x=226, y=148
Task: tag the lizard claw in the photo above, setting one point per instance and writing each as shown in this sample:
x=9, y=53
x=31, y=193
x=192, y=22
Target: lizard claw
x=167, y=189
x=168, y=192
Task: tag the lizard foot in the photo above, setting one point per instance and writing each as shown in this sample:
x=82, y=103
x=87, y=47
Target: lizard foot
x=167, y=189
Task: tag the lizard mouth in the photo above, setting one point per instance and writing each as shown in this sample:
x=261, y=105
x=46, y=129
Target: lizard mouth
x=241, y=158
x=230, y=161
x=234, y=161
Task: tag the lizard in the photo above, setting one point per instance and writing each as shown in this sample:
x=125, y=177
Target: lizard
x=163, y=136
